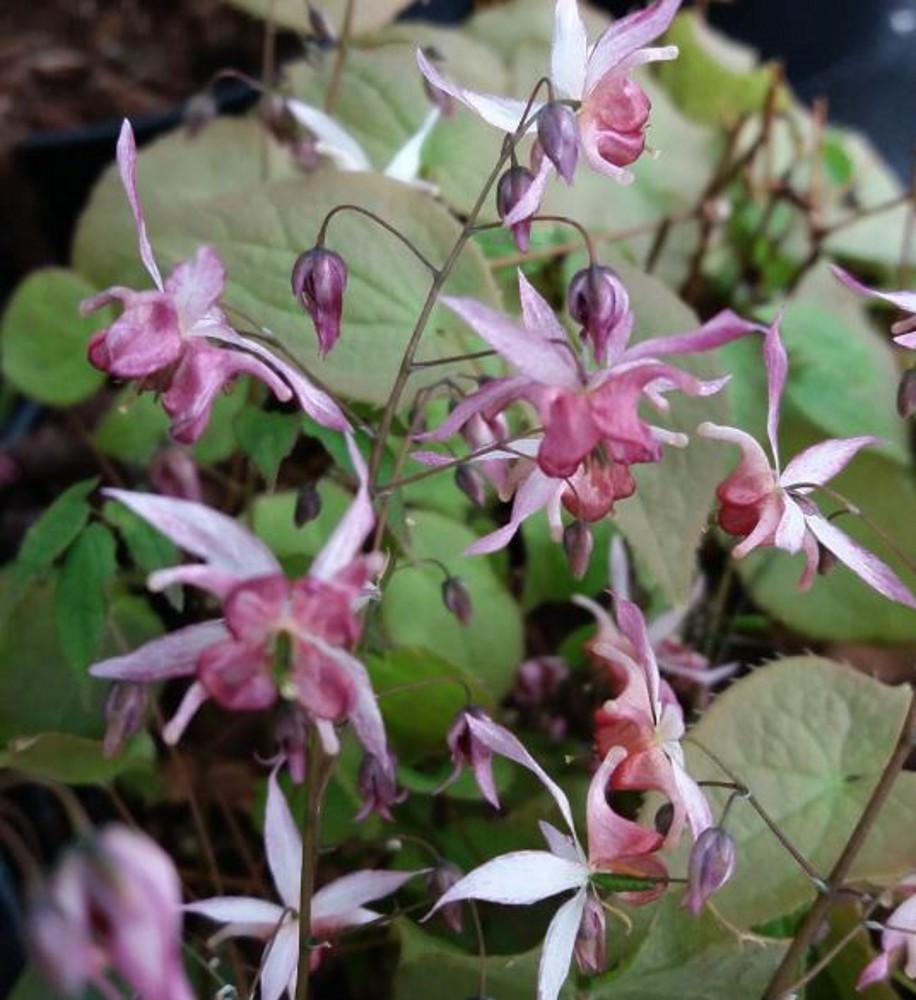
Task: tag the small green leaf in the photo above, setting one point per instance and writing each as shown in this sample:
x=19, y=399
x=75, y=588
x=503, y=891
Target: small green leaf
x=149, y=549
x=80, y=604
x=266, y=437
x=810, y=738
x=75, y=760
x=44, y=338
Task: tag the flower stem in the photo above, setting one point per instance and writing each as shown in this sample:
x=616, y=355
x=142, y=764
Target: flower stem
x=343, y=49
x=781, y=984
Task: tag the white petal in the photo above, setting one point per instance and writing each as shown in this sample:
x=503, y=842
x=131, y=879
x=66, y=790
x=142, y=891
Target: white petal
x=238, y=910
x=278, y=972
x=569, y=52
x=557, y=951
x=347, y=894
x=283, y=844
x=173, y=655
x=405, y=166
x=333, y=139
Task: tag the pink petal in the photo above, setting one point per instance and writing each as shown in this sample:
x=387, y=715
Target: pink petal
x=754, y=475
x=791, y=529
x=352, y=530
x=622, y=39
x=195, y=285
x=878, y=968
x=493, y=396
x=195, y=696
x=214, y=581
x=571, y=432
x=173, y=655
x=560, y=844
x=504, y=113
x=694, y=802
x=821, y=462
x=569, y=50
x=530, y=202
x=777, y=365
x=238, y=910
x=281, y=961
x=283, y=844
x=559, y=942
x=863, y=563
x=214, y=537
x=535, y=492
x=610, y=836
x=517, y=879
x=143, y=340
x=723, y=328
x=237, y=675
x=127, y=165
x=350, y=892
x=904, y=300
x=547, y=363
x=633, y=626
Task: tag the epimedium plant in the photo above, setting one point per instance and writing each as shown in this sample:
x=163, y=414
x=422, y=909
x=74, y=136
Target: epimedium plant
x=464, y=556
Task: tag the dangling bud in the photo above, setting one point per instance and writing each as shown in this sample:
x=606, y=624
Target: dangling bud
x=591, y=939
x=664, y=817
x=378, y=788
x=308, y=504
x=323, y=32
x=598, y=300
x=513, y=186
x=826, y=560
x=441, y=879
x=199, y=110
x=468, y=751
x=712, y=864
x=578, y=543
x=174, y=473
x=558, y=134
x=470, y=482
x=906, y=394
x=291, y=734
x=319, y=279
x=125, y=710
x=438, y=98
x=457, y=599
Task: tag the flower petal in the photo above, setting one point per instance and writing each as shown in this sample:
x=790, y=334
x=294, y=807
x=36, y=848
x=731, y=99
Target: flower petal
x=280, y=962
x=530, y=201
x=491, y=397
x=904, y=300
x=569, y=50
x=777, y=365
x=238, y=910
x=333, y=139
x=220, y=540
x=127, y=165
x=195, y=285
x=535, y=492
x=821, y=462
x=173, y=655
x=405, y=165
x=283, y=844
x=350, y=892
x=863, y=563
x=504, y=113
x=723, y=328
x=557, y=950
x=610, y=836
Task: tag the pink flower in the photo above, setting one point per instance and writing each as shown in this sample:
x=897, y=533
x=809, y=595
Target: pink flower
x=335, y=906
x=165, y=337
x=278, y=636
x=905, y=330
x=613, y=110
x=617, y=848
x=647, y=721
x=898, y=942
x=766, y=506
x=114, y=900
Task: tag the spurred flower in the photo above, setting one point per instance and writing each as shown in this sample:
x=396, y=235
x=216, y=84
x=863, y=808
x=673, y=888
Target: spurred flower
x=612, y=109
x=898, y=941
x=616, y=847
x=176, y=339
x=114, y=901
x=278, y=637
x=335, y=907
x=765, y=505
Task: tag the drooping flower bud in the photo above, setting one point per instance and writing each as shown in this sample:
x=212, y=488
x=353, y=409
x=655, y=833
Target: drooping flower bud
x=322, y=30
x=457, y=599
x=906, y=394
x=319, y=279
x=599, y=301
x=468, y=751
x=558, y=134
x=826, y=560
x=578, y=543
x=513, y=186
x=175, y=473
x=591, y=939
x=308, y=504
x=378, y=788
x=125, y=709
x=712, y=863
x=291, y=734
x=199, y=110
x=470, y=482
x=441, y=879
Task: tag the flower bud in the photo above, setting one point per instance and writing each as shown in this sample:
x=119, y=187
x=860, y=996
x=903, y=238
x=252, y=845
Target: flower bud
x=468, y=751
x=125, y=709
x=319, y=279
x=470, y=482
x=591, y=939
x=308, y=504
x=377, y=786
x=598, y=300
x=291, y=734
x=441, y=879
x=457, y=599
x=558, y=134
x=578, y=543
x=906, y=394
x=199, y=110
x=712, y=863
x=826, y=560
x=513, y=186
x=538, y=679
x=175, y=473
x=322, y=30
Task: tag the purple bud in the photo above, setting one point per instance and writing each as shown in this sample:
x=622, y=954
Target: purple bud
x=558, y=134
x=712, y=864
x=591, y=939
x=322, y=29
x=291, y=734
x=319, y=279
x=125, y=711
x=377, y=786
x=906, y=394
x=598, y=300
x=826, y=560
x=513, y=186
x=308, y=504
x=578, y=543
x=457, y=599
x=175, y=473
x=467, y=751
x=538, y=679
x=441, y=879
x=470, y=482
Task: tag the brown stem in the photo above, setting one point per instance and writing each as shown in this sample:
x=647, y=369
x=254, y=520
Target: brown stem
x=781, y=984
x=343, y=49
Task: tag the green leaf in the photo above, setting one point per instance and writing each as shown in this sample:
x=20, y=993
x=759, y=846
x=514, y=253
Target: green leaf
x=44, y=338
x=54, y=531
x=691, y=958
x=715, y=79
x=76, y=760
x=419, y=694
x=294, y=16
x=273, y=521
x=259, y=228
x=413, y=614
x=809, y=738
x=267, y=437
x=80, y=605
x=149, y=548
